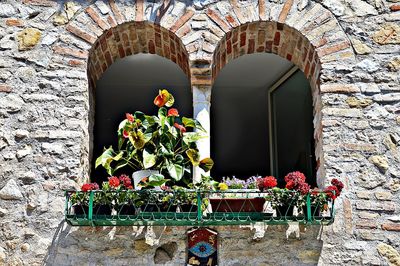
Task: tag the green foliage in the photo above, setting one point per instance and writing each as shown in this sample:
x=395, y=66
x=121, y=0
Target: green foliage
x=158, y=142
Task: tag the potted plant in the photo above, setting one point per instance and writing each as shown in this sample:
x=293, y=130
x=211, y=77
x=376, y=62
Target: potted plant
x=80, y=199
x=125, y=197
x=237, y=196
x=164, y=144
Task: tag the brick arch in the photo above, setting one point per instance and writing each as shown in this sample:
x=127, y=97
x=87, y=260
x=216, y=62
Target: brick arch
x=132, y=38
x=310, y=50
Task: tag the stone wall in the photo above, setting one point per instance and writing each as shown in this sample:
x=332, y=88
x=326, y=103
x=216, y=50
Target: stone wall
x=45, y=117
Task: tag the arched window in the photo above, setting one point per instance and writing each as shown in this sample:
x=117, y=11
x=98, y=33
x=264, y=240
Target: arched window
x=261, y=119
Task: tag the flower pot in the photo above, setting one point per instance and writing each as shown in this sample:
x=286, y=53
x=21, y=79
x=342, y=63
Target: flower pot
x=188, y=208
x=237, y=205
x=315, y=211
x=284, y=210
x=126, y=209
x=152, y=207
x=81, y=209
x=139, y=175
x=102, y=209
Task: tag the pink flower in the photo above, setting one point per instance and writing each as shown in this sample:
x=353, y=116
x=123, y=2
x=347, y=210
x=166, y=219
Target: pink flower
x=180, y=127
x=125, y=134
x=130, y=117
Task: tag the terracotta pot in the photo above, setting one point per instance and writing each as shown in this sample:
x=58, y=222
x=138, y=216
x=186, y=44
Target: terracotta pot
x=237, y=205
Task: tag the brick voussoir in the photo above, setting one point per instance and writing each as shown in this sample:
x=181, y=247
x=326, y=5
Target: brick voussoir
x=95, y=16
x=391, y=227
x=81, y=33
x=332, y=48
x=117, y=13
x=285, y=11
x=182, y=20
x=218, y=20
x=70, y=51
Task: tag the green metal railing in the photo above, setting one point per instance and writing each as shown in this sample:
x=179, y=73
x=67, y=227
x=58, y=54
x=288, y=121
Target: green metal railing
x=191, y=208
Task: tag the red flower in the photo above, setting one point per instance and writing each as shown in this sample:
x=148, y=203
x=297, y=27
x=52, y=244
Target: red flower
x=125, y=134
x=130, y=117
x=180, y=127
x=269, y=182
x=338, y=184
x=113, y=181
x=162, y=98
x=332, y=192
x=89, y=187
x=304, y=188
x=290, y=185
x=86, y=187
x=173, y=112
x=296, y=176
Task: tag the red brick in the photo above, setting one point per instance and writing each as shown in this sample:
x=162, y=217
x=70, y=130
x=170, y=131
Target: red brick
x=391, y=227
x=167, y=52
x=5, y=88
x=152, y=48
x=108, y=58
x=96, y=18
x=158, y=39
x=333, y=48
x=260, y=49
x=111, y=21
x=14, y=22
x=251, y=46
x=182, y=20
x=366, y=224
x=228, y=47
x=218, y=20
x=285, y=10
x=139, y=10
x=121, y=51
x=81, y=33
x=74, y=62
x=117, y=13
x=268, y=46
x=395, y=7
x=231, y=20
x=277, y=38
x=289, y=57
x=235, y=36
x=237, y=10
x=70, y=51
x=243, y=39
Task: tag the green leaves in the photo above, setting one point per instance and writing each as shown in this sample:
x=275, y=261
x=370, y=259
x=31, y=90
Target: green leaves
x=149, y=159
x=137, y=139
x=106, y=158
x=176, y=171
x=190, y=137
x=192, y=123
x=206, y=164
x=156, y=180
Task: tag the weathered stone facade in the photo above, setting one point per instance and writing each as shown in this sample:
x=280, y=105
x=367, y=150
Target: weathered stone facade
x=52, y=52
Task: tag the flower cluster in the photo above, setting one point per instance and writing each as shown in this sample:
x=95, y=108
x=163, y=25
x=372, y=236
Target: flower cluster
x=126, y=181
x=333, y=191
x=236, y=183
x=267, y=182
x=297, y=181
x=89, y=187
x=113, y=181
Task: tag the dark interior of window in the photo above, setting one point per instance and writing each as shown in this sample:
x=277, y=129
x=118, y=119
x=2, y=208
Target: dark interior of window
x=240, y=120
x=130, y=85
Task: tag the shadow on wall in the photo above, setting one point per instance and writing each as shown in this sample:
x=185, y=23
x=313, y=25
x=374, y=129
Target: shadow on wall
x=127, y=246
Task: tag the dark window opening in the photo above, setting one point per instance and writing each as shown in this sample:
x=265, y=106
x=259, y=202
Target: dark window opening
x=130, y=85
x=259, y=127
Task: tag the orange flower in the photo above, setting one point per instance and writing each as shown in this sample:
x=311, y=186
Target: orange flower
x=162, y=98
x=130, y=117
x=173, y=112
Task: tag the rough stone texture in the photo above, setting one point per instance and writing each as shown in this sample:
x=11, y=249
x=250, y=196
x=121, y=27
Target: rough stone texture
x=349, y=50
